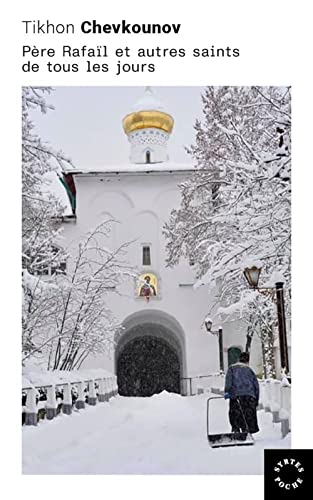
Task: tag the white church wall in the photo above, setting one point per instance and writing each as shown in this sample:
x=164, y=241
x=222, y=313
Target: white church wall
x=140, y=197
x=141, y=203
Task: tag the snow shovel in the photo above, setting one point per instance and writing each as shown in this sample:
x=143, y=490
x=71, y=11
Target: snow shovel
x=229, y=438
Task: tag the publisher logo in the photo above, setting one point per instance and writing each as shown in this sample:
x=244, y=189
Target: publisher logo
x=287, y=474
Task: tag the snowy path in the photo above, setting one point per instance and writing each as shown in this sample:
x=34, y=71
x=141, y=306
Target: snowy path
x=164, y=434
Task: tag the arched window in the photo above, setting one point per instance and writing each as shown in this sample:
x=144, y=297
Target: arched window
x=148, y=157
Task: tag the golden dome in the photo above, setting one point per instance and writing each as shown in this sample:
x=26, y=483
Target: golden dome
x=148, y=119
x=148, y=112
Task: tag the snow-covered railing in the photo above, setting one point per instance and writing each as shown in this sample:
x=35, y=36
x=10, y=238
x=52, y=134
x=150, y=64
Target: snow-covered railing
x=275, y=397
x=198, y=384
x=46, y=394
x=217, y=383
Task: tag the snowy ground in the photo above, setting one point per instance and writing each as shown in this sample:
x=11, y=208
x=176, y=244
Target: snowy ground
x=163, y=434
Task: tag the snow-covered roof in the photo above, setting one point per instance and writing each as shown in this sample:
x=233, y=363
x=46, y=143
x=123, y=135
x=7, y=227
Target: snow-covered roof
x=135, y=168
x=148, y=102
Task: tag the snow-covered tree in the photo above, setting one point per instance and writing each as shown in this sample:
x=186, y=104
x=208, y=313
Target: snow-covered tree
x=38, y=308
x=83, y=322
x=236, y=205
x=64, y=316
x=73, y=320
x=40, y=213
x=39, y=207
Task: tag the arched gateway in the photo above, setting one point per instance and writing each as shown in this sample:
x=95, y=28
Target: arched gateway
x=150, y=354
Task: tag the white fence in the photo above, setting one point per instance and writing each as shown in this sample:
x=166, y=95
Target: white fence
x=197, y=384
x=275, y=397
x=46, y=394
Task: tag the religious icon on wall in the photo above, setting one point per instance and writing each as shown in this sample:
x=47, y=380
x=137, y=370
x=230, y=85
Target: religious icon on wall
x=148, y=286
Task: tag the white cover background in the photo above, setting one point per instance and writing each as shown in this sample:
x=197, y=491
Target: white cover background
x=273, y=38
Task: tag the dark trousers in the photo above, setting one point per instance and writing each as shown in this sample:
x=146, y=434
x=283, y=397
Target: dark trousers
x=242, y=414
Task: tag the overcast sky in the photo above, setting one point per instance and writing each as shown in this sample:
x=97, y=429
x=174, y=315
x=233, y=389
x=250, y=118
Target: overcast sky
x=87, y=121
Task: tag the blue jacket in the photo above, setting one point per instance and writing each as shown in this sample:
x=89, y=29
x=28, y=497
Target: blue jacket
x=241, y=381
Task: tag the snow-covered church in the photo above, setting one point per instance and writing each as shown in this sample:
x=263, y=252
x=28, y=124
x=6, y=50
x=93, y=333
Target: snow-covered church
x=164, y=344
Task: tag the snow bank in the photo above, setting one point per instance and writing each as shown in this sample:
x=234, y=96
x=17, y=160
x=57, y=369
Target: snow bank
x=163, y=434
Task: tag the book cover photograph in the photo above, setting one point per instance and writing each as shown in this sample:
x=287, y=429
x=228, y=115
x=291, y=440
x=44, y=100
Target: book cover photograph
x=156, y=277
